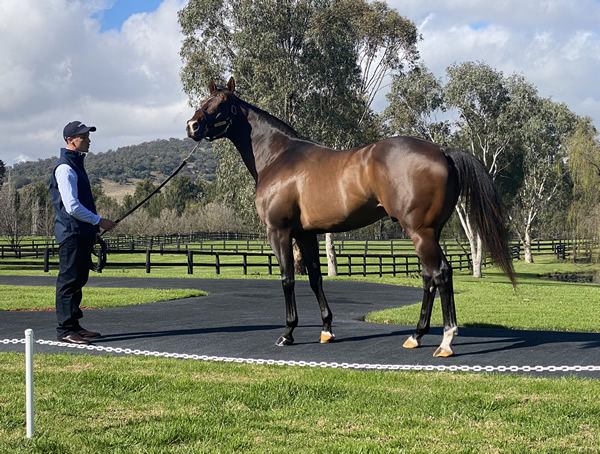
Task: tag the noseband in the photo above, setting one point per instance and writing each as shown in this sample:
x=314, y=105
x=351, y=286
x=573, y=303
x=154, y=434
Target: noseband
x=216, y=128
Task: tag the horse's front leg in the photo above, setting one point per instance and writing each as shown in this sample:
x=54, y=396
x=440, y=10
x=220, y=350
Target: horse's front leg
x=281, y=243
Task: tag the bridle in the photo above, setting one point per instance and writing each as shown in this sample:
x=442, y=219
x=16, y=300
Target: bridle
x=215, y=126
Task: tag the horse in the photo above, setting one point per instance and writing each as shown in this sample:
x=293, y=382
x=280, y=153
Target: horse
x=304, y=189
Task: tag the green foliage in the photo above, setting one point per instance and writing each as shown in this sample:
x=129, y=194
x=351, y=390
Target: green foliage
x=584, y=163
x=2, y=172
x=415, y=99
x=544, y=128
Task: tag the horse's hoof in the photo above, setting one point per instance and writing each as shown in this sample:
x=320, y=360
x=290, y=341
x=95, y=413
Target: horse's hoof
x=411, y=342
x=283, y=341
x=442, y=353
x=327, y=337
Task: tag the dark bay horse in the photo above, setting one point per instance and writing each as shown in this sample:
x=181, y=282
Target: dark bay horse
x=303, y=189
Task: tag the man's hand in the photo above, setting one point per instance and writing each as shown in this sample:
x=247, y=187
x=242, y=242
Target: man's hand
x=107, y=224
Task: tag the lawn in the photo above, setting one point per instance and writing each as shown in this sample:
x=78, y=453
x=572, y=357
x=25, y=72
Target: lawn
x=150, y=405
x=20, y=297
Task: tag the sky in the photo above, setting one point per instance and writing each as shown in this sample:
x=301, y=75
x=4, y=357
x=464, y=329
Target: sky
x=115, y=64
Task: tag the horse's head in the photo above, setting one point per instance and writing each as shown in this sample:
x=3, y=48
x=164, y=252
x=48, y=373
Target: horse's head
x=215, y=115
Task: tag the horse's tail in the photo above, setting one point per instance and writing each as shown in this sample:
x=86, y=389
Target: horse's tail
x=483, y=205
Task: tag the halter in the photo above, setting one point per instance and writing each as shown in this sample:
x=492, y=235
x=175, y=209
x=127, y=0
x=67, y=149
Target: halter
x=212, y=130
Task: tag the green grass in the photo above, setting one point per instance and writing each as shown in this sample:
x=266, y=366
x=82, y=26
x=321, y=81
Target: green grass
x=149, y=405
x=17, y=297
x=538, y=304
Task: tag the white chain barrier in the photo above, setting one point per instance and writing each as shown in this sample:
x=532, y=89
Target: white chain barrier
x=323, y=364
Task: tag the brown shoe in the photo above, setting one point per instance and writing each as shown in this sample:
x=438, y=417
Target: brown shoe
x=74, y=338
x=88, y=334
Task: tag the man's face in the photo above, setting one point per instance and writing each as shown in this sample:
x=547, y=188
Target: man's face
x=79, y=142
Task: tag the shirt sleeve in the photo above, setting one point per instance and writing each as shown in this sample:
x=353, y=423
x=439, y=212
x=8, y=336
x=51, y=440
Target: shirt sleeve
x=67, y=186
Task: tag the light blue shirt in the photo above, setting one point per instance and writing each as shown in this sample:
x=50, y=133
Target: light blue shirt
x=67, y=186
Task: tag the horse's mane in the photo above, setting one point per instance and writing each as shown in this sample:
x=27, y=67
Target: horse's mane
x=274, y=121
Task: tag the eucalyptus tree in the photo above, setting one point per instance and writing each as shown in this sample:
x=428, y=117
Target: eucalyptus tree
x=485, y=125
x=542, y=132
x=416, y=106
x=316, y=64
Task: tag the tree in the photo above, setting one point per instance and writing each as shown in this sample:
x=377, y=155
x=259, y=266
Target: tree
x=2, y=172
x=180, y=191
x=36, y=209
x=542, y=135
x=10, y=220
x=486, y=125
x=416, y=98
x=156, y=203
x=315, y=64
x=583, y=149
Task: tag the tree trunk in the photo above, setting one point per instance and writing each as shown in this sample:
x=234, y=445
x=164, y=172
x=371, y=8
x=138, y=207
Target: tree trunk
x=528, y=257
x=35, y=217
x=331, y=259
x=477, y=256
x=474, y=238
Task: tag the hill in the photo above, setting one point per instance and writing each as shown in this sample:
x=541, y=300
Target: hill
x=155, y=159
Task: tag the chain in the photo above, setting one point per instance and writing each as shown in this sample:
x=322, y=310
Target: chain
x=322, y=364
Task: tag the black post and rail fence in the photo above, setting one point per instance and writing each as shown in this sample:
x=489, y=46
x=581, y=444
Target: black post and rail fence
x=251, y=253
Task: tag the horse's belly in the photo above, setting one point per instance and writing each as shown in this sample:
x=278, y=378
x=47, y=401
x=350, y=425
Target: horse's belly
x=336, y=218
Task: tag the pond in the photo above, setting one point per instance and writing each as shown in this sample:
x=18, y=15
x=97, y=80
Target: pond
x=574, y=277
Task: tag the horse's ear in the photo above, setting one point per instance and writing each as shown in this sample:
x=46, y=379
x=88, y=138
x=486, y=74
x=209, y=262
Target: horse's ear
x=212, y=87
x=231, y=85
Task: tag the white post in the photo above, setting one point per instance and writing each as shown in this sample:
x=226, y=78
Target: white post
x=29, y=380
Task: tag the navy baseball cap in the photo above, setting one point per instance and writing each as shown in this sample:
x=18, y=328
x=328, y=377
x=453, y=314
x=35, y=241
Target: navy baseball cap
x=75, y=128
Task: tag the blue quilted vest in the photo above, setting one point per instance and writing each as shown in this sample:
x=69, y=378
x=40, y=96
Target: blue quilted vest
x=66, y=225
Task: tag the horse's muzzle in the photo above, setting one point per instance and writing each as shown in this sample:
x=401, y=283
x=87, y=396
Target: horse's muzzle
x=195, y=130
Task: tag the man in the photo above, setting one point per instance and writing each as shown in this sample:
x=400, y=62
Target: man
x=75, y=227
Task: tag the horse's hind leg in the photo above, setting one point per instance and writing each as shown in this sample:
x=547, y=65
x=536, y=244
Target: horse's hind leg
x=309, y=247
x=429, y=289
x=437, y=273
x=443, y=279
x=281, y=243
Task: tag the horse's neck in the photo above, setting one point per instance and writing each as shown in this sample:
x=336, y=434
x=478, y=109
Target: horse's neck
x=266, y=138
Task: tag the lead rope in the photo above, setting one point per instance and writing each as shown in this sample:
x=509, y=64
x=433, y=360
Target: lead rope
x=101, y=254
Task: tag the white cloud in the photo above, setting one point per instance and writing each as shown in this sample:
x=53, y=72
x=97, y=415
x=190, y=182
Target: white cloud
x=554, y=44
x=56, y=66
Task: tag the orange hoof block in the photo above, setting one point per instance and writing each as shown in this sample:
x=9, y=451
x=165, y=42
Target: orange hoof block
x=410, y=343
x=442, y=353
x=327, y=337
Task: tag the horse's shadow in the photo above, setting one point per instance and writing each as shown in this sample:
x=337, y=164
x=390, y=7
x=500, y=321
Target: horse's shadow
x=523, y=339
x=497, y=340
x=487, y=340
x=185, y=332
